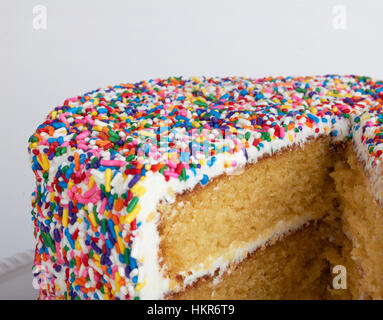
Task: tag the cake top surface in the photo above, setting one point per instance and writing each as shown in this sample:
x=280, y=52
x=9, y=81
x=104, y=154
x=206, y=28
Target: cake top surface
x=185, y=122
x=93, y=151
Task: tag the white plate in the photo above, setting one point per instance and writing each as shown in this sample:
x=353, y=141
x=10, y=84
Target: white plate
x=16, y=277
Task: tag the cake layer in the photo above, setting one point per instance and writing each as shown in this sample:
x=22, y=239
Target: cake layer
x=207, y=228
x=292, y=268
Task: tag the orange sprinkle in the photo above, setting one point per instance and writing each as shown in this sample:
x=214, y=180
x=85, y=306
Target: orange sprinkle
x=119, y=204
x=76, y=161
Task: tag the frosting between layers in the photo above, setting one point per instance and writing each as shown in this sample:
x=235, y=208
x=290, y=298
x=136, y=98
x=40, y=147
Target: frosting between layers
x=103, y=161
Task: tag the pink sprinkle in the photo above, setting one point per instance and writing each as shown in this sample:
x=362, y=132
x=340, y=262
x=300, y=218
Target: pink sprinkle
x=103, y=205
x=85, y=273
x=171, y=164
x=58, y=252
x=90, y=120
x=83, y=135
x=169, y=174
x=183, y=113
x=113, y=163
x=82, y=199
x=91, y=192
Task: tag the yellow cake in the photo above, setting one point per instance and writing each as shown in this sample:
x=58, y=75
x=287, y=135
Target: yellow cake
x=212, y=188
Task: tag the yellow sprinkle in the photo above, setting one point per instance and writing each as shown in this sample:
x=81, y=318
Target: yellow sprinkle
x=70, y=184
x=91, y=182
x=120, y=244
x=96, y=257
x=33, y=145
x=195, y=79
x=134, y=188
x=53, y=115
x=44, y=162
x=313, y=110
x=77, y=245
x=138, y=189
x=133, y=214
x=119, y=241
x=108, y=179
x=65, y=217
x=150, y=216
x=52, y=196
x=97, y=128
x=117, y=281
x=291, y=138
x=92, y=219
x=140, y=285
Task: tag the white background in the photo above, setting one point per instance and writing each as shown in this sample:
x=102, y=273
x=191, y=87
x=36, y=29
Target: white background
x=91, y=44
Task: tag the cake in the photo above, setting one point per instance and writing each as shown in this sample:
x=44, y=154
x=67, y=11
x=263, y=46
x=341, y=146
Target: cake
x=211, y=188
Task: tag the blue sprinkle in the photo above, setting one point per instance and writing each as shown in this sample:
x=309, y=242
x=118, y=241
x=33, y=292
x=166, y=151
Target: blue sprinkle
x=312, y=117
x=111, y=228
x=204, y=180
x=102, y=110
x=69, y=237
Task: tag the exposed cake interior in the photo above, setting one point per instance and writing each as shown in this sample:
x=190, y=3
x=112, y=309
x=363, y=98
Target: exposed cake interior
x=362, y=222
x=274, y=196
x=289, y=221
